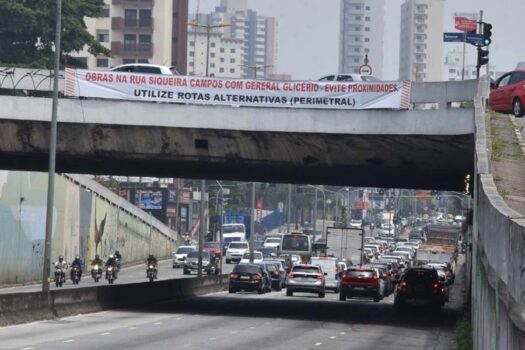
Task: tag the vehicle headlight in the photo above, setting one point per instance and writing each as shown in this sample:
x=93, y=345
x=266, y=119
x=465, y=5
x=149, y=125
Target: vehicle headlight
x=110, y=269
x=151, y=266
x=95, y=267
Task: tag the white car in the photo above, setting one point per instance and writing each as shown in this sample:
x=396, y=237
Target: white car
x=257, y=258
x=235, y=251
x=181, y=253
x=145, y=68
x=272, y=242
x=356, y=223
x=347, y=77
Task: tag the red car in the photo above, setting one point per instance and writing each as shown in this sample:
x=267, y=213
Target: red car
x=214, y=248
x=508, y=94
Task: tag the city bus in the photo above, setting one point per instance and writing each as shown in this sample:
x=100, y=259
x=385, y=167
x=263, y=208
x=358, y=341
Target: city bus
x=297, y=243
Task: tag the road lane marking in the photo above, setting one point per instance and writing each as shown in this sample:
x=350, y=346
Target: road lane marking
x=333, y=337
x=179, y=318
x=234, y=332
x=69, y=341
x=342, y=333
x=185, y=346
x=157, y=323
x=252, y=327
x=132, y=328
x=317, y=344
x=30, y=348
x=105, y=333
x=213, y=338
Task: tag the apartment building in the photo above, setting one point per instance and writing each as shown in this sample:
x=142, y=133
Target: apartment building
x=144, y=31
x=361, y=32
x=258, y=35
x=421, y=40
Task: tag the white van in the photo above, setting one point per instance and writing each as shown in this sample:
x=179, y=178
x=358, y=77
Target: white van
x=329, y=267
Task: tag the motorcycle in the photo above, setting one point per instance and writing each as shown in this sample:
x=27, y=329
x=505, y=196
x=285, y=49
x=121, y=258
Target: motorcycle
x=60, y=276
x=151, y=273
x=75, y=274
x=96, y=273
x=111, y=275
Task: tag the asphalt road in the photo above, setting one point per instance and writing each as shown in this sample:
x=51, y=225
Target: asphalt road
x=243, y=321
x=130, y=274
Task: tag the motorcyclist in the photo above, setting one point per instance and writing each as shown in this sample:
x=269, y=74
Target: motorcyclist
x=112, y=262
x=118, y=259
x=77, y=263
x=62, y=265
x=97, y=260
x=152, y=260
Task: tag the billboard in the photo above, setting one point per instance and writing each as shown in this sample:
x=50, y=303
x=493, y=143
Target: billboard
x=148, y=199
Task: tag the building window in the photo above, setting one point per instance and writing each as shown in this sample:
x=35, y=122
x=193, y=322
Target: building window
x=191, y=64
x=358, y=29
x=367, y=29
x=102, y=62
x=232, y=60
x=212, y=44
x=142, y=60
x=368, y=8
x=367, y=18
x=128, y=60
x=358, y=7
x=232, y=70
x=367, y=50
x=105, y=11
x=356, y=60
x=130, y=18
x=145, y=18
x=103, y=36
x=367, y=40
x=222, y=50
x=192, y=43
x=357, y=18
x=221, y=70
x=452, y=71
x=192, y=53
x=357, y=49
x=232, y=50
x=144, y=42
x=222, y=60
x=130, y=42
x=212, y=65
x=212, y=54
x=357, y=38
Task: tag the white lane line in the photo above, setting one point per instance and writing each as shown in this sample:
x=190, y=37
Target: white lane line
x=187, y=345
x=30, y=348
x=234, y=332
x=266, y=322
x=333, y=337
x=342, y=333
x=213, y=338
x=317, y=344
x=157, y=323
x=105, y=333
x=179, y=318
x=132, y=328
x=69, y=341
x=252, y=327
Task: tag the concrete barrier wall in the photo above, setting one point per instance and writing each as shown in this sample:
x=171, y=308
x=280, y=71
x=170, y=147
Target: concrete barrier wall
x=85, y=221
x=28, y=307
x=498, y=258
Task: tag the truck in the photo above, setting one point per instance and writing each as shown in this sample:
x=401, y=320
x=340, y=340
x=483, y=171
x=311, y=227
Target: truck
x=441, y=245
x=231, y=233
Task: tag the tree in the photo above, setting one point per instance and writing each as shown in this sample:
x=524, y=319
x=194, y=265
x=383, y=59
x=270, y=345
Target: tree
x=27, y=31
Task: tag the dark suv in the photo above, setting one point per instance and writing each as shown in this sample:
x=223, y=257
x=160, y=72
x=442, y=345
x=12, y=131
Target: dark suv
x=248, y=277
x=419, y=286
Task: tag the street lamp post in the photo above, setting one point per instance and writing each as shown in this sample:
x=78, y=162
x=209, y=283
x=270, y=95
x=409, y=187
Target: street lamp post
x=252, y=222
x=208, y=28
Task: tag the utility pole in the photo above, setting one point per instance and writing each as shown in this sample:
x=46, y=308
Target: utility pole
x=315, y=212
x=202, y=227
x=52, y=154
x=289, y=208
x=252, y=222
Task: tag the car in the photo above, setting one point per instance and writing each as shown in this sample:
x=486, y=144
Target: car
x=508, y=94
x=419, y=286
x=277, y=274
x=329, y=267
x=247, y=277
x=214, y=248
x=268, y=253
x=347, y=77
x=450, y=276
x=257, y=257
x=145, y=68
x=306, y=278
x=180, y=254
x=272, y=242
x=191, y=264
x=226, y=242
x=235, y=251
x=354, y=223
x=362, y=281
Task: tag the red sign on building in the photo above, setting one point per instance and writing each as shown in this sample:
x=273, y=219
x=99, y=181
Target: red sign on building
x=465, y=24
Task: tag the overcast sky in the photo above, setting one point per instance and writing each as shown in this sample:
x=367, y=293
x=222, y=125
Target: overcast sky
x=309, y=32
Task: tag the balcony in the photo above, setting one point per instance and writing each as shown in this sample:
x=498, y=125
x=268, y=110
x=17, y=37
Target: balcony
x=136, y=50
x=139, y=25
x=139, y=3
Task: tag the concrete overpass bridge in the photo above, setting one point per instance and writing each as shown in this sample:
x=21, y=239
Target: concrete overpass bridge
x=418, y=148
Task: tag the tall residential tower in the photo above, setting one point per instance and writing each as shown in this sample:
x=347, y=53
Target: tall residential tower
x=360, y=34
x=421, y=42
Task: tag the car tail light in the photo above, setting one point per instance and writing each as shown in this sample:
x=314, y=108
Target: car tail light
x=436, y=285
x=403, y=285
x=233, y=275
x=257, y=277
x=291, y=275
x=346, y=277
x=374, y=277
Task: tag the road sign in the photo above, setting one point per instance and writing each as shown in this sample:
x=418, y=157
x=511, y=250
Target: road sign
x=280, y=207
x=465, y=24
x=475, y=39
x=365, y=69
x=454, y=37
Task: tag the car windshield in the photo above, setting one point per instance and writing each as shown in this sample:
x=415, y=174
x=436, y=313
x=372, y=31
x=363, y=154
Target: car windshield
x=212, y=245
x=271, y=267
x=231, y=239
x=306, y=269
x=194, y=254
x=239, y=245
x=361, y=273
x=246, y=268
x=295, y=242
x=425, y=276
x=232, y=228
x=184, y=250
x=256, y=256
x=272, y=240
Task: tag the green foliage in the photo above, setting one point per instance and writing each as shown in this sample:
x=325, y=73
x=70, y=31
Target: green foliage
x=27, y=31
x=464, y=333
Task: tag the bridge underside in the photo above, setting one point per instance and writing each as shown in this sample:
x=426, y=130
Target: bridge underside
x=402, y=161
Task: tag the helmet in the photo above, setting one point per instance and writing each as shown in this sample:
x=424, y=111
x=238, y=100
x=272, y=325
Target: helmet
x=77, y=257
x=117, y=252
x=151, y=256
x=97, y=256
x=60, y=258
x=112, y=257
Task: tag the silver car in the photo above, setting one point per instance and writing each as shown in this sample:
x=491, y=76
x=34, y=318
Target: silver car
x=306, y=278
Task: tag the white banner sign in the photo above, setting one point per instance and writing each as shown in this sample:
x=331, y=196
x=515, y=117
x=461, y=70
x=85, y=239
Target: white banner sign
x=237, y=92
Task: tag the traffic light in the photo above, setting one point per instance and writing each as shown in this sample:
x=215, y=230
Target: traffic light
x=483, y=57
x=487, y=33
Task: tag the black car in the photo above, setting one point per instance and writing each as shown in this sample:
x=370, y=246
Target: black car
x=192, y=263
x=277, y=274
x=248, y=277
x=419, y=286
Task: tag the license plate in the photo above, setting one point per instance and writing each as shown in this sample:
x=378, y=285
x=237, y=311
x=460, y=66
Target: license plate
x=359, y=288
x=245, y=277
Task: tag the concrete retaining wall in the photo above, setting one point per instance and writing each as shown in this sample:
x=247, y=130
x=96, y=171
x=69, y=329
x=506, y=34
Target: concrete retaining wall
x=498, y=281
x=28, y=307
